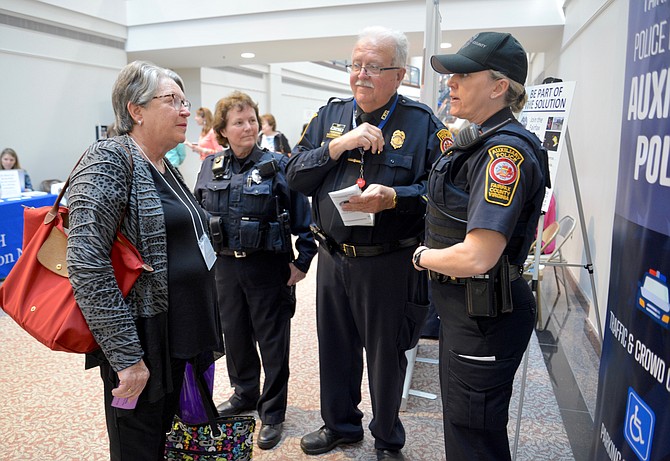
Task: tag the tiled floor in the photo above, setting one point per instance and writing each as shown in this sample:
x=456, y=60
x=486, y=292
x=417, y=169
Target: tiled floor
x=572, y=362
x=48, y=388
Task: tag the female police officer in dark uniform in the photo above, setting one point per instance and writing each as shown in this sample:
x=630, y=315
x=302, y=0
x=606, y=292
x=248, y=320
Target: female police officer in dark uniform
x=254, y=214
x=484, y=199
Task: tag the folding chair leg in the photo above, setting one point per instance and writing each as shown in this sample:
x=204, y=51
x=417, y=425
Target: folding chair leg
x=564, y=279
x=411, y=358
x=558, y=285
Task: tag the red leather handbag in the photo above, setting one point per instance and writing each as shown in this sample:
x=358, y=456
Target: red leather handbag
x=37, y=293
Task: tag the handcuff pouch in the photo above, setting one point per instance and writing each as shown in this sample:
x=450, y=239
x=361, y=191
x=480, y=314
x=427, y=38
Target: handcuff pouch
x=218, y=233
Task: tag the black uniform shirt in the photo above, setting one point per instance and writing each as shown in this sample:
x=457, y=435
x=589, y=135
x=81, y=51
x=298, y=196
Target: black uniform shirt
x=208, y=192
x=414, y=138
x=505, y=184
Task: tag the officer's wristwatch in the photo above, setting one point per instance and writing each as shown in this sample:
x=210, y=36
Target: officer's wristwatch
x=417, y=258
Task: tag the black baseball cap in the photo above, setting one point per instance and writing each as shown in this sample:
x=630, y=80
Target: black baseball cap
x=486, y=50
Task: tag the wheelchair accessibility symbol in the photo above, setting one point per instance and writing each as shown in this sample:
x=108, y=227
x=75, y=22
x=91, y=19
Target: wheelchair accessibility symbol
x=639, y=425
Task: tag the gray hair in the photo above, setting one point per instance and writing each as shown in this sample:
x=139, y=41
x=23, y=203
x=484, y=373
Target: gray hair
x=393, y=38
x=516, y=96
x=137, y=83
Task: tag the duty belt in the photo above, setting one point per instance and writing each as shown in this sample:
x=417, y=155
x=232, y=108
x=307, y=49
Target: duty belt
x=514, y=273
x=358, y=251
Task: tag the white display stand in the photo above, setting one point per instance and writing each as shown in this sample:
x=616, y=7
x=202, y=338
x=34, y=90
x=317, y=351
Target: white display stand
x=546, y=114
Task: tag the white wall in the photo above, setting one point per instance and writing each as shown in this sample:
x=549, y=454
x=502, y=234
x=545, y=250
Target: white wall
x=55, y=91
x=60, y=90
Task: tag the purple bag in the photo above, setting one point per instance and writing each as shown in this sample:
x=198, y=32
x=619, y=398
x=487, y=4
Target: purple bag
x=191, y=409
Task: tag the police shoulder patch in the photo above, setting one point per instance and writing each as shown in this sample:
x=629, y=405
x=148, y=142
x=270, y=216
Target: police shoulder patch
x=446, y=139
x=502, y=175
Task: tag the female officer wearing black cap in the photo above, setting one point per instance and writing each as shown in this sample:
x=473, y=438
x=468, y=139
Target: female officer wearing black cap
x=484, y=199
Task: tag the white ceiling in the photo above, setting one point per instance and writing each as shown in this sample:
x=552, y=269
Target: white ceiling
x=213, y=33
x=321, y=32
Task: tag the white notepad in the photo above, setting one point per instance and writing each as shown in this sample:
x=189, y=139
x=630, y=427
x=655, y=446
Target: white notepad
x=351, y=218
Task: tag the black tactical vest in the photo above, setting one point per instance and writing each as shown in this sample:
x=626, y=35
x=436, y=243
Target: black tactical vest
x=447, y=210
x=252, y=217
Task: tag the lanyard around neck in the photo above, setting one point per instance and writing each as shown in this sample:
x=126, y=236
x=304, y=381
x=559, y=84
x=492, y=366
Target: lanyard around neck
x=188, y=208
x=383, y=122
x=361, y=179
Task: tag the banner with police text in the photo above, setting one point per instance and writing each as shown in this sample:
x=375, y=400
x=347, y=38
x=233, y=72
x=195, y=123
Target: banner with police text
x=633, y=409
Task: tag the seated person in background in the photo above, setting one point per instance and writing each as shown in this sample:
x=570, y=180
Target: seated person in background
x=270, y=138
x=10, y=161
x=207, y=143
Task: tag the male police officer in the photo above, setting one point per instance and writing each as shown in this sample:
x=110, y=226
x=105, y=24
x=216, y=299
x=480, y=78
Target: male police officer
x=254, y=215
x=368, y=296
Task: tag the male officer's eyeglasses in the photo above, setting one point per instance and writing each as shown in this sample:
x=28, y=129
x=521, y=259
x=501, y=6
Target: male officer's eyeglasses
x=372, y=70
x=177, y=103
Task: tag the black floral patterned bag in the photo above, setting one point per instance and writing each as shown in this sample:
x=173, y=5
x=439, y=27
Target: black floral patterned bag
x=222, y=438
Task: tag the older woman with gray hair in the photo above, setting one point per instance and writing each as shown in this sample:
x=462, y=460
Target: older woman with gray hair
x=170, y=315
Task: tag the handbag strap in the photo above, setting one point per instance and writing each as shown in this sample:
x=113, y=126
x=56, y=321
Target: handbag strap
x=206, y=397
x=51, y=214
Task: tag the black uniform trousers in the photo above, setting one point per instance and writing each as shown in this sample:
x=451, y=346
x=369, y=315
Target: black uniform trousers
x=139, y=434
x=256, y=306
x=364, y=302
x=476, y=393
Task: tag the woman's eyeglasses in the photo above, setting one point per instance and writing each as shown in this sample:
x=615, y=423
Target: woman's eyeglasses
x=177, y=103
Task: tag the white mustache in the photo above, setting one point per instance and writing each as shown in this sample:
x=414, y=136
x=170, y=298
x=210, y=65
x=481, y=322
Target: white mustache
x=365, y=83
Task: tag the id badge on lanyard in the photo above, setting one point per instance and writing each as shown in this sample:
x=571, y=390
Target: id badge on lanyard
x=207, y=250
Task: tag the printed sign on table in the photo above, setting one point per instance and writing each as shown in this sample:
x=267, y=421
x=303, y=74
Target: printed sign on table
x=10, y=183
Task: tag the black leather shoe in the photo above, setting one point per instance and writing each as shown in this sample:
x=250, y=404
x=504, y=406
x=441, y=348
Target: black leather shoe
x=228, y=409
x=324, y=440
x=269, y=435
x=389, y=454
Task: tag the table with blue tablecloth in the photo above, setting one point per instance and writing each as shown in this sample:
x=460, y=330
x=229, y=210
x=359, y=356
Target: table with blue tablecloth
x=11, y=227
